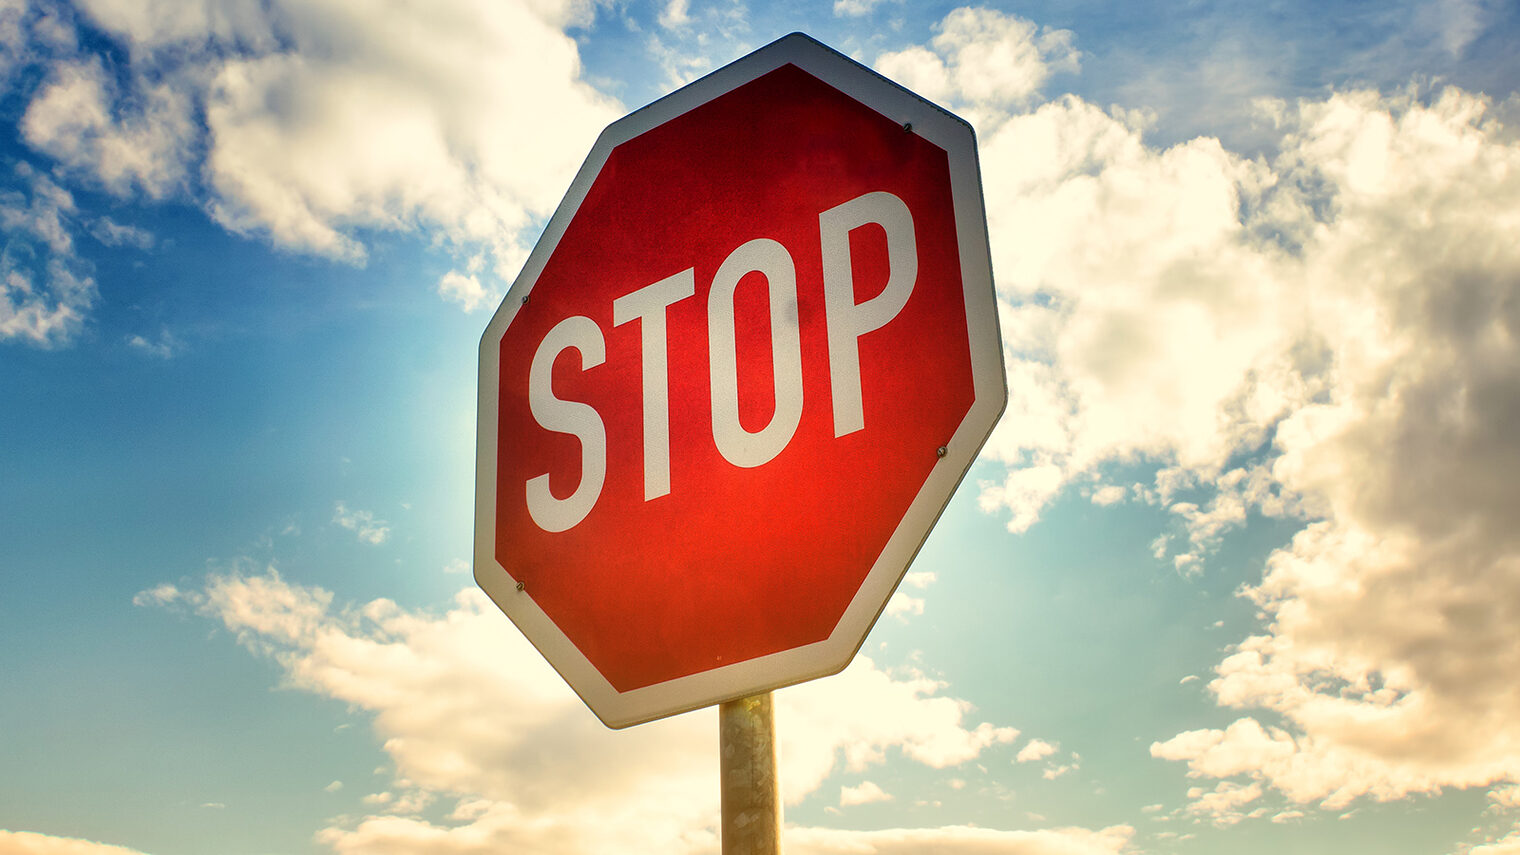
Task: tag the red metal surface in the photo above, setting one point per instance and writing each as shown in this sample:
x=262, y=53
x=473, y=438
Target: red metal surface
x=734, y=563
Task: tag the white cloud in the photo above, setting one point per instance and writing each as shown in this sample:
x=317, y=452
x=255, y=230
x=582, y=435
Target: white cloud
x=159, y=24
x=982, y=58
x=159, y=595
x=1392, y=621
x=145, y=148
x=866, y=793
x=826, y=722
x=45, y=290
x=1330, y=335
x=333, y=787
x=854, y=8
x=903, y=604
x=1035, y=749
x=1510, y=845
x=31, y=843
x=466, y=291
x=1508, y=797
x=320, y=120
x=362, y=523
x=1223, y=804
x=1109, y=494
x=675, y=14
x=471, y=715
x=112, y=233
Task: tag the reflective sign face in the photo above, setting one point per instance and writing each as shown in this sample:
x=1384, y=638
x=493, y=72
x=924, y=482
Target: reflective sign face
x=738, y=379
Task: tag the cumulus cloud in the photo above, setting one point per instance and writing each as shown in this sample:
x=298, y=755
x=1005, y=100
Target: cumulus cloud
x=1035, y=749
x=675, y=14
x=310, y=123
x=136, y=141
x=474, y=719
x=1224, y=805
x=1330, y=335
x=1391, y=619
x=863, y=794
x=466, y=290
x=424, y=117
x=1509, y=845
x=981, y=58
x=902, y=605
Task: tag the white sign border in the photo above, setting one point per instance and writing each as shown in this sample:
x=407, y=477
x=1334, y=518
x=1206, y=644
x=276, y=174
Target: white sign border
x=740, y=679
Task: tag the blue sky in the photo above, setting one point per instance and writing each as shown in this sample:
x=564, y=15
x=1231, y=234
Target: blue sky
x=1236, y=573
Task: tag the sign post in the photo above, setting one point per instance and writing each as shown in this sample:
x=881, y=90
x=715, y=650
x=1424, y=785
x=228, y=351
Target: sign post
x=751, y=797
x=737, y=381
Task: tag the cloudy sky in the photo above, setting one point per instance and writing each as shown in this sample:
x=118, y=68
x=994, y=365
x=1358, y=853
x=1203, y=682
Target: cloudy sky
x=1239, y=571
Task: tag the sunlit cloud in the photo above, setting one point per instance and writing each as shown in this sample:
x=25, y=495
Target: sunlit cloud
x=467, y=291
x=865, y=793
x=308, y=122
x=984, y=60
x=32, y=843
x=1328, y=336
x=473, y=718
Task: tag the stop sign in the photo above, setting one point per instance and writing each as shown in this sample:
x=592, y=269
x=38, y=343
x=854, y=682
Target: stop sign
x=736, y=382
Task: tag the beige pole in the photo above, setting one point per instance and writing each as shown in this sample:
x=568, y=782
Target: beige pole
x=747, y=764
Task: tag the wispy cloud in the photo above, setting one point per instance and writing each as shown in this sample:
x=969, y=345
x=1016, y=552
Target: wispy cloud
x=363, y=523
x=854, y=8
x=46, y=290
x=112, y=233
x=163, y=346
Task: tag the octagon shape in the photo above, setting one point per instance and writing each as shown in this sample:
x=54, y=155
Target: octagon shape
x=738, y=379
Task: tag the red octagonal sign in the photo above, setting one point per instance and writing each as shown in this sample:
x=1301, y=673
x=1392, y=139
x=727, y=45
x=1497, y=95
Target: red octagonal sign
x=736, y=382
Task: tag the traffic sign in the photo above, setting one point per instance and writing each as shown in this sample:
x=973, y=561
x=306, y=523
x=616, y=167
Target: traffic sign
x=737, y=381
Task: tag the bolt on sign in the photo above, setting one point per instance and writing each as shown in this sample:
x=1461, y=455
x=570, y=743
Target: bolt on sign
x=738, y=379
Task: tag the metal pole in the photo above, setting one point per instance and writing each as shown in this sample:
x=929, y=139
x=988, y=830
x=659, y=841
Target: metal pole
x=747, y=764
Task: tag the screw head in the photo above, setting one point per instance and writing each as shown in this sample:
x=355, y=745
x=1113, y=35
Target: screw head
x=941, y=451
